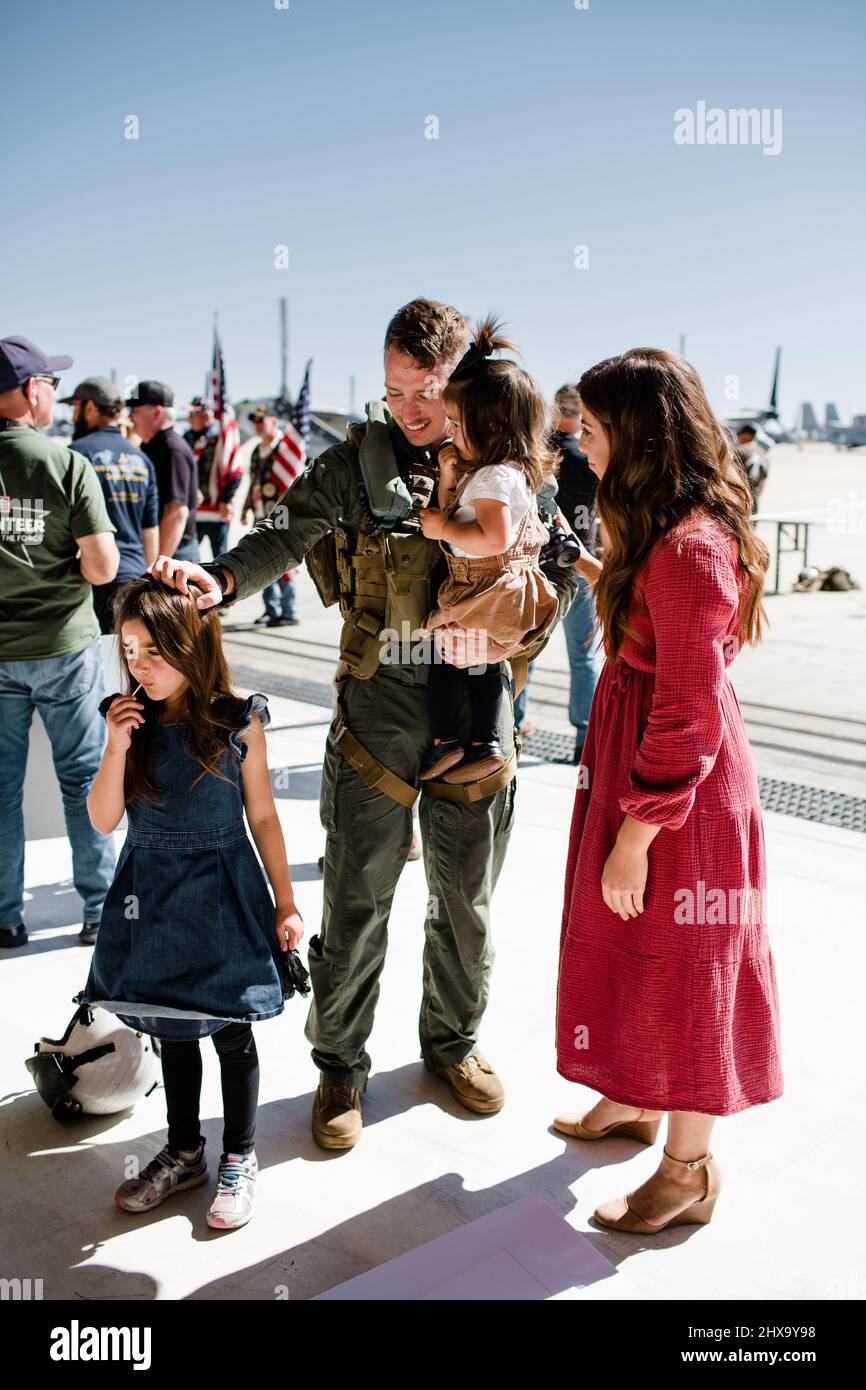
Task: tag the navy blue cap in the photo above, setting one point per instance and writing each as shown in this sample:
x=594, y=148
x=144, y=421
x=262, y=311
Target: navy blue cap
x=20, y=360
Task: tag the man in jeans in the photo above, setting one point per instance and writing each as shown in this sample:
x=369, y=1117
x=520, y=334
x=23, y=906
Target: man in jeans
x=279, y=597
x=51, y=507
x=576, y=497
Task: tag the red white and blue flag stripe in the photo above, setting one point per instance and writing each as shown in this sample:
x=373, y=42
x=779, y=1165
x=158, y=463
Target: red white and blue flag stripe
x=291, y=452
x=227, y=461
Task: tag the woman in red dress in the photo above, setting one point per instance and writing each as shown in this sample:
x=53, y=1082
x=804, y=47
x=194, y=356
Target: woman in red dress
x=666, y=1001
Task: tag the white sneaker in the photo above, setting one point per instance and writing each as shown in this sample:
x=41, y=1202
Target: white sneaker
x=232, y=1205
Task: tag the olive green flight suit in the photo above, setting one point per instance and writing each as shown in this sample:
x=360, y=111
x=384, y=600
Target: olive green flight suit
x=368, y=833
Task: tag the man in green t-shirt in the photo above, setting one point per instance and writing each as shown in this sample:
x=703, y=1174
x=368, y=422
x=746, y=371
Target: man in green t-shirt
x=56, y=541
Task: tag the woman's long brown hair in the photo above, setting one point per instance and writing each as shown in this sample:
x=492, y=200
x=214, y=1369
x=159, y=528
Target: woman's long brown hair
x=191, y=642
x=503, y=414
x=668, y=456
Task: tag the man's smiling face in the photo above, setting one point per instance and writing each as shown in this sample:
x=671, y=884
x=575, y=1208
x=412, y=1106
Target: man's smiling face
x=414, y=397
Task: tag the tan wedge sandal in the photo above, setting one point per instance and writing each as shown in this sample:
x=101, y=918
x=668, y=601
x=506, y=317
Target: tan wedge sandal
x=619, y=1216
x=643, y=1130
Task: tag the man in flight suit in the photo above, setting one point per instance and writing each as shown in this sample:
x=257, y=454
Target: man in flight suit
x=379, y=736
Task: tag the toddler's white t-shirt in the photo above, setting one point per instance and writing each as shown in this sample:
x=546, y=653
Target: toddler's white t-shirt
x=500, y=482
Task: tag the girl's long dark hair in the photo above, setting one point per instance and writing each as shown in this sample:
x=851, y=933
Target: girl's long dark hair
x=503, y=414
x=191, y=642
x=668, y=456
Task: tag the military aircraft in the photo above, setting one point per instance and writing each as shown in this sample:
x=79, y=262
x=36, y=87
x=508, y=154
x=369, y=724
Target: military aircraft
x=765, y=419
x=832, y=431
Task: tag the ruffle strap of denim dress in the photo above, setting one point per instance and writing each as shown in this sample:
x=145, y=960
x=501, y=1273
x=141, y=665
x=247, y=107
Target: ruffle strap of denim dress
x=256, y=704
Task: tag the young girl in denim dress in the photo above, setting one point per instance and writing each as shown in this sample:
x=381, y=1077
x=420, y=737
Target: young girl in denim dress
x=190, y=942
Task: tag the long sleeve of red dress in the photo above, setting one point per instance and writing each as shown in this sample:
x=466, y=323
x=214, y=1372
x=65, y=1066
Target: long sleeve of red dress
x=691, y=596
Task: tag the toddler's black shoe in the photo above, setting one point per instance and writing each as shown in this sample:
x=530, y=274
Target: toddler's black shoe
x=479, y=761
x=441, y=756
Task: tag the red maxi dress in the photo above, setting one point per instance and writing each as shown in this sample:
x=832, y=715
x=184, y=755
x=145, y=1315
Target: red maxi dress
x=677, y=1008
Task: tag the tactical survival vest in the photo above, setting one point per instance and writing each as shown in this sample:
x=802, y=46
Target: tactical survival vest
x=380, y=577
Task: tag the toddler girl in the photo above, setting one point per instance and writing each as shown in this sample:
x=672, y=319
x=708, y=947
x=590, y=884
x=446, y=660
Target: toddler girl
x=489, y=528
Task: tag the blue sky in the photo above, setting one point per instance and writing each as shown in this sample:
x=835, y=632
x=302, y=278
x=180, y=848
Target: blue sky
x=306, y=127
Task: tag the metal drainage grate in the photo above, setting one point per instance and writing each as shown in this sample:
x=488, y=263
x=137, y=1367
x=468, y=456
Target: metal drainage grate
x=785, y=798
x=308, y=692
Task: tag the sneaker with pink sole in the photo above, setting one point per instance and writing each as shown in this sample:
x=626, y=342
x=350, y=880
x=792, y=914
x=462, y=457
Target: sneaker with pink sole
x=232, y=1205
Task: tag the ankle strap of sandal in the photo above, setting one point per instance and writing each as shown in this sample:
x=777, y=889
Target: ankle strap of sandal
x=688, y=1162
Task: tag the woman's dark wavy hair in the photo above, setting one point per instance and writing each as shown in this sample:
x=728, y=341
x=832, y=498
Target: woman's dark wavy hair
x=668, y=456
x=191, y=642
x=503, y=414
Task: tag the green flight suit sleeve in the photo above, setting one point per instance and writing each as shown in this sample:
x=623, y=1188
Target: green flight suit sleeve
x=326, y=492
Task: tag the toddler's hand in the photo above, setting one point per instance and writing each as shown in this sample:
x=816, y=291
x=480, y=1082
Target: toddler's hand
x=448, y=460
x=124, y=715
x=433, y=522
x=290, y=927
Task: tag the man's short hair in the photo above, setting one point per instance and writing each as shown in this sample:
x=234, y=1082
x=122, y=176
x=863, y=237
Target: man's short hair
x=169, y=416
x=432, y=334
x=567, y=398
x=111, y=412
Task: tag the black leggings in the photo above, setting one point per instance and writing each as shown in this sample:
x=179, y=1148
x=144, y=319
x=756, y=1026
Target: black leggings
x=447, y=685
x=239, y=1073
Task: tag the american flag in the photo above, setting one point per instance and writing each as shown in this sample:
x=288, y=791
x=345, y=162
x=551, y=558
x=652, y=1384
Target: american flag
x=291, y=451
x=227, y=463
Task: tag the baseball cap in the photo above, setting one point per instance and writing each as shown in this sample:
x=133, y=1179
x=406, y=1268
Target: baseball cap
x=20, y=360
x=151, y=393
x=97, y=389
x=261, y=411
x=199, y=403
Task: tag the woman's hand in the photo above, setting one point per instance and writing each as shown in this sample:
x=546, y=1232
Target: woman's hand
x=623, y=880
x=124, y=714
x=433, y=523
x=464, y=647
x=290, y=926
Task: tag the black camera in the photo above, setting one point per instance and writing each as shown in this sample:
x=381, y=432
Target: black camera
x=295, y=974
x=562, y=549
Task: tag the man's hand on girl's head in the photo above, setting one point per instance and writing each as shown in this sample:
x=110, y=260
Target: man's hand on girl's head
x=178, y=574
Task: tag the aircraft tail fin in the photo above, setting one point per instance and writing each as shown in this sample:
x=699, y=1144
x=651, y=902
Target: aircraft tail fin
x=774, y=388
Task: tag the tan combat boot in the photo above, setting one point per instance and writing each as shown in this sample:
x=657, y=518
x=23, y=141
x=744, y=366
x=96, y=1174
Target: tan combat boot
x=337, y=1119
x=475, y=1084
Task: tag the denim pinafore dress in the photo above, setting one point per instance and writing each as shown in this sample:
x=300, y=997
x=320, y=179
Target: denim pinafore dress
x=187, y=942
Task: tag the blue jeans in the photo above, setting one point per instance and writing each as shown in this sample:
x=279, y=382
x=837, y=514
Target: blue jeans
x=520, y=700
x=583, y=660
x=187, y=550
x=66, y=690
x=217, y=532
x=279, y=599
